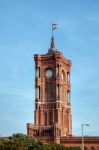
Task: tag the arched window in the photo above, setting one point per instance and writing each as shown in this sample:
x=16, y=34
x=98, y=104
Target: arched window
x=68, y=96
x=37, y=72
x=68, y=76
x=63, y=76
x=37, y=93
x=50, y=91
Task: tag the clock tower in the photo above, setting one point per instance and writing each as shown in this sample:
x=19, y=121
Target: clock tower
x=52, y=115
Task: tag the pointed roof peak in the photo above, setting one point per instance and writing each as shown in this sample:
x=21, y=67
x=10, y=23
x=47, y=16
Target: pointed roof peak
x=52, y=42
x=52, y=46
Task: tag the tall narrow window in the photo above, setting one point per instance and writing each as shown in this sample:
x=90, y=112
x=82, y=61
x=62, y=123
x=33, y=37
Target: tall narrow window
x=45, y=118
x=37, y=72
x=63, y=76
x=68, y=76
x=50, y=91
x=57, y=91
x=39, y=121
x=68, y=96
x=92, y=148
x=85, y=148
x=37, y=93
x=50, y=118
x=62, y=92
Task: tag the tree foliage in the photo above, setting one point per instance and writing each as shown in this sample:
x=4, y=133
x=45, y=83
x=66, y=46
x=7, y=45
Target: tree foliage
x=23, y=142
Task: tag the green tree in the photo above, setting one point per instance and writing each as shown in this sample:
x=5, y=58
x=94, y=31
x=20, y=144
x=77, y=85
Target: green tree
x=23, y=142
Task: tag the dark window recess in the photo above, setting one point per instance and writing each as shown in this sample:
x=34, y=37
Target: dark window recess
x=50, y=91
x=92, y=148
x=45, y=118
x=50, y=118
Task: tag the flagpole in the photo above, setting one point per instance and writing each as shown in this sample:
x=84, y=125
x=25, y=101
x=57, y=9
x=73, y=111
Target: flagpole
x=52, y=30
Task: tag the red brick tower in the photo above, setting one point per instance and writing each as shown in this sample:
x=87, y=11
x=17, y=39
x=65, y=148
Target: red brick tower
x=52, y=115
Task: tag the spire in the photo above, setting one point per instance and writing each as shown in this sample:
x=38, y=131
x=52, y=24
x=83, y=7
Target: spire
x=52, y=42
x=52, y=47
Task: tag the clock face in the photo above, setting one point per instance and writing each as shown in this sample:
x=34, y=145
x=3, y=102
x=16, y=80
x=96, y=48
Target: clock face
x=49, y=73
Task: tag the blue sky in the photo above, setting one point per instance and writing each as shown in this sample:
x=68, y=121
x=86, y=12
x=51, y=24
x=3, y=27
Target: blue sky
x=25, y=29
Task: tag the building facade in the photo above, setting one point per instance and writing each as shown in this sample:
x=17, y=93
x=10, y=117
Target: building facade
x=52, y=115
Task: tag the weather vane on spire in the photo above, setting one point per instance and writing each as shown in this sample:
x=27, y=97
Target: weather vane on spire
x=54, y=26
x=52, y=46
